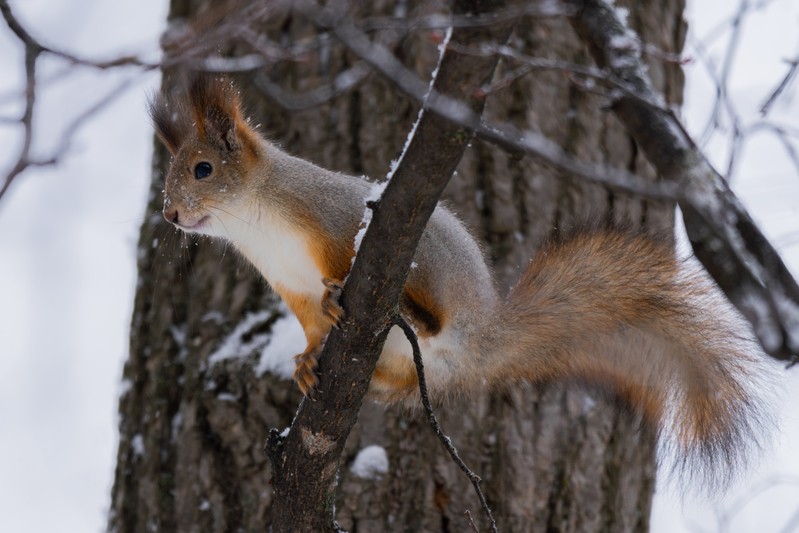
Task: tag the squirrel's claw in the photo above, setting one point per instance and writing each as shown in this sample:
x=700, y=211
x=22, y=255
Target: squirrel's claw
x=331, y=309
x=305, y=370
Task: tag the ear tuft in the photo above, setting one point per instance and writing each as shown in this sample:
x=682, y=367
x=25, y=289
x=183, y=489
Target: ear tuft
x=210, y=108
x=216, y=108
x=169, y=121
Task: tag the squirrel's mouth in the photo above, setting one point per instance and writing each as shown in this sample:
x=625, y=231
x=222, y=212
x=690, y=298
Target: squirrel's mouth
x=193, y=227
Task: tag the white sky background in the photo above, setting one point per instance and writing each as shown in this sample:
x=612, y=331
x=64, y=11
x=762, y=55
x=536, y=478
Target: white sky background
x=68, y=244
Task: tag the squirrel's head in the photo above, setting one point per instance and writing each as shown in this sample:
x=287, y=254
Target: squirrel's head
x=214, y=152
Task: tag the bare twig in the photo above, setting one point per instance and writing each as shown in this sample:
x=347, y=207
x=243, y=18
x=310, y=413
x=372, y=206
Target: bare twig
x=570, y=69
x=783, y=135
x=726, y=69
x=725, y=517
x=472, y=525
x=33, y=44
x=32, y=52
x=722, y=102
x=793, y=65
x=437, y=21
x=723, y=26
x=724, y=108
x=196, y=46
x=344, y=82
x=504, y=135
x=433, y=421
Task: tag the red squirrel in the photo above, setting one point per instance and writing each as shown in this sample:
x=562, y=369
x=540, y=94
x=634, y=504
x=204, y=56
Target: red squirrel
x=609, y=307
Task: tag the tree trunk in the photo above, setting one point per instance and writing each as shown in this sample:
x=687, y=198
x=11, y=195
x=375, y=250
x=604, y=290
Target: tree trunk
x=193, y=423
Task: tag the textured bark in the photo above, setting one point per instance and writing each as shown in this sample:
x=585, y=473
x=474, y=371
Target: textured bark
x=192, y=432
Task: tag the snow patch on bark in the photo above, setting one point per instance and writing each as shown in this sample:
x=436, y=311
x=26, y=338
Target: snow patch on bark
x=287, y=339
x=370, y=463
x=137, y=445
x=238, y=343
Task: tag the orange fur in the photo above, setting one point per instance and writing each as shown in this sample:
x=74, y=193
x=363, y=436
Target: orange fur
x=395, y=378
x=422, y=310
x=316, y=327
x=333, y=257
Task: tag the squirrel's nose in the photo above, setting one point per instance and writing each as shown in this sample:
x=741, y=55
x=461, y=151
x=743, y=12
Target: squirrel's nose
x=171, y=215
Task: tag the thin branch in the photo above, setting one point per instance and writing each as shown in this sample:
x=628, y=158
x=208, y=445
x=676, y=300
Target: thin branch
x=781, y=86
x=664, y=56
x=721, y=27
x=344, y=82
x=725, y=517
x=472, y=525
x=433, y=421
x=80, y=120
x=506, y=136
x=25, y=160
x=570, y=69
x=726, y=69
x=437, y=21
x=723, y=102
x=17, y=29
x=31, y=55
x=782, y=134
x=33, y=50
x=33, y=44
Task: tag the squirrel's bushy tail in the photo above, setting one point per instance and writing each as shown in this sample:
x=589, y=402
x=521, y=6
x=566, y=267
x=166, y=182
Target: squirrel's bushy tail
x=618, y=310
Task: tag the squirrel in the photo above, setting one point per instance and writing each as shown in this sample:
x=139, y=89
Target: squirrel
x=609, y=307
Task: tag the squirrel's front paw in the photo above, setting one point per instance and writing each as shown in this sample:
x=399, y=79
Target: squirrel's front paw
x=305, y=369
x=330, y=306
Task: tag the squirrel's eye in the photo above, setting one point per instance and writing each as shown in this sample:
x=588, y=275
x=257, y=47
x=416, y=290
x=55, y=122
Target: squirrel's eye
x=203, y=170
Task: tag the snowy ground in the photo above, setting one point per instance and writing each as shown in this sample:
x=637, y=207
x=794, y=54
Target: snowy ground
x=67, y=274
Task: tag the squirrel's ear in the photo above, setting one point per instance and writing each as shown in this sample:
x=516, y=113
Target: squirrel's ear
x=167, y=120
x=216, y=107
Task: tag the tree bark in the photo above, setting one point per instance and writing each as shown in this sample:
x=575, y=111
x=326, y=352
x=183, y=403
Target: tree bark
x=192, y=431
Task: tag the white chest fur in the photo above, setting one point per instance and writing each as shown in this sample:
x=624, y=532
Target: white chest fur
x=277, y=250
